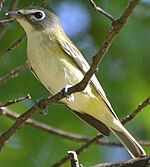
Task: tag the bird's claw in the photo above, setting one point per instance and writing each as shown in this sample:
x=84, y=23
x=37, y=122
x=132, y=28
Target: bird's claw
x=42, y=109
x=65, y=93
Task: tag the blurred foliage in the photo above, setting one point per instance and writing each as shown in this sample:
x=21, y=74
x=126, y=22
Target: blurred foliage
x=124, y=74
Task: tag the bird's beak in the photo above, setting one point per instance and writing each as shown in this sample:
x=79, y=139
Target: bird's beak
x=15, y=14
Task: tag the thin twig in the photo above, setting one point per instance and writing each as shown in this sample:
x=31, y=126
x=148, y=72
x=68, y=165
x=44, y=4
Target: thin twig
x=11, y=102
x=60, y=133
x=13, y=73
x=15, y=127
x=28, y=114
x=116, y=27
x=138, y=162
x=5, y=22
x=12, y=7
x=118, y=144
x=78, y=151
x=137, y=111
x=13, y=46
x=100, y=10
x=44, y=127
x=74, y=159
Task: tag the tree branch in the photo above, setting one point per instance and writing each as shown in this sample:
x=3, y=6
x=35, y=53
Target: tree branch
x=138, y=162
x=78, y=151
x=13, y=73
x=11, y=102
x=60, y=133
x=14, y=45
x=5, y=22
x=100, y=10
x=15, y=127
x=115, y=29
x=12, y=6
x=137, y=111
x=44, y=127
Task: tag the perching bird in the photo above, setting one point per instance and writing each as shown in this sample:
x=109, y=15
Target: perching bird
x=57, y=63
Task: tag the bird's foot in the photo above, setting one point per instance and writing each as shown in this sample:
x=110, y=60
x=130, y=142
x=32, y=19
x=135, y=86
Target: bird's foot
x=85, y=90
x=65, y=92
x=41, y=107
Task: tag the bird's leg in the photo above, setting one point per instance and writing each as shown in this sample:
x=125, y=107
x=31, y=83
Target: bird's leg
x=85, y=90
x=42, y=110
x=65, y=93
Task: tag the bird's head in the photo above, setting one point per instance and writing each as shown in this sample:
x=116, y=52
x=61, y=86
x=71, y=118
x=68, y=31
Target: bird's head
x=35, y=19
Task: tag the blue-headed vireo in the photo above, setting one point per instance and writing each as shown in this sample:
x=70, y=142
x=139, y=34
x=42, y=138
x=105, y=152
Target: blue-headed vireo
x=57, y=63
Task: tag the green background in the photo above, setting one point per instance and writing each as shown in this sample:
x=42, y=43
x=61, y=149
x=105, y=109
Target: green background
x=124, y=74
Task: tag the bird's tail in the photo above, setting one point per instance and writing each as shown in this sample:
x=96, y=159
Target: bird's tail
x=129, y=142
x=118, y=130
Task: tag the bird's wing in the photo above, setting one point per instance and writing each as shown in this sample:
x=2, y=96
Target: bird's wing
x=80, y=61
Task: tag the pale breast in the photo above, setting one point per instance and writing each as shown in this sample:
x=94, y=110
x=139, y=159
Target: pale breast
x=50, y=66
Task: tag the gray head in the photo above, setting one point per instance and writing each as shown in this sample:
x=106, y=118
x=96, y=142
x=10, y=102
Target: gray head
x=35, y=18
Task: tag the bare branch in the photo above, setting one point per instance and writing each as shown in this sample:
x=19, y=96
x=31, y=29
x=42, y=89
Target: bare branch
x=116, y=27
x=11, y=102
x=28, y=114
x=44, y=127
x=12, y=6
x=15, y=127
x=138, y=162
x=5, y=22
x=60, y=133
x=13, y=73
x=100, y=10
x=74, y=159
x=116, y=144
x=137, y=111
x=13, y=46
x=81, y=149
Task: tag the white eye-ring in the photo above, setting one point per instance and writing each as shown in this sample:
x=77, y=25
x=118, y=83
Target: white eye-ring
x=38, y=15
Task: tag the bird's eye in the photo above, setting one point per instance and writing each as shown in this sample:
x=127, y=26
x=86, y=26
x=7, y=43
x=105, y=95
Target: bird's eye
x=38, y=15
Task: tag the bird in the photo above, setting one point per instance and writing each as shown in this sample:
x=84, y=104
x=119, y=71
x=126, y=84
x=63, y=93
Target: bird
x=57, y=63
